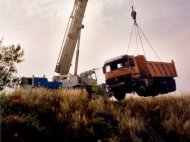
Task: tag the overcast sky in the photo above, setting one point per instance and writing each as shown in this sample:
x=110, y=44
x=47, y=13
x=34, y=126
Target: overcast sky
x=39, y=26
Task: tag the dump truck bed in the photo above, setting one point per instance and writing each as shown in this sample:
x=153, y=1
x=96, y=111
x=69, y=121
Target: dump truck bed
x=155, y=69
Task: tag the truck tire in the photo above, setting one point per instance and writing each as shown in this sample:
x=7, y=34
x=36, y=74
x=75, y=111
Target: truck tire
x=119, y=95
x=164, y=87
x=152, y=91
x=141, y=90
x=172, y=85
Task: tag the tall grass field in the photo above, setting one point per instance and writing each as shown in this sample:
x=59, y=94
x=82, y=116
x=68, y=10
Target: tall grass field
x=69, y=115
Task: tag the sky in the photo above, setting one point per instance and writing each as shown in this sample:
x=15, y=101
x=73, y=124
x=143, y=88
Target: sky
x=39, y=26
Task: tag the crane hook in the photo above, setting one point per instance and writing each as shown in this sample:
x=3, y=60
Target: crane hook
x=133, y=14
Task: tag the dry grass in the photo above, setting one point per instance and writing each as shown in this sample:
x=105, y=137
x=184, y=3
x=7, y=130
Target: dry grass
x=69, y=115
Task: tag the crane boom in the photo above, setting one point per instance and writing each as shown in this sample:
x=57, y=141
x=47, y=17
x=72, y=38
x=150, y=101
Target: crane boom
x=71, y=37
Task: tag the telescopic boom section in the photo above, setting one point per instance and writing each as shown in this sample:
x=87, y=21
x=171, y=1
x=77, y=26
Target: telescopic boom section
x=71, y=37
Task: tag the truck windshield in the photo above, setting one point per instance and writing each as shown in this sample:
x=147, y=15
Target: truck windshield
x=26, y=81
x=114, y=66
x=128, y=62
x=93, y=76
x=119, y=65
x=107, y=68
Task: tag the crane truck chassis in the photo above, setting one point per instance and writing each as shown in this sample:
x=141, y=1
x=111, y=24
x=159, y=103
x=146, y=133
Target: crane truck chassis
x=86, y=80
x=127, y=74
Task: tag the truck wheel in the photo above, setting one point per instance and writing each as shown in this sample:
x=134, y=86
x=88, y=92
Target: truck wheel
x=119, y=95
x=141, y=90
x=172, y=84
x=153, y=91
x=164, y=88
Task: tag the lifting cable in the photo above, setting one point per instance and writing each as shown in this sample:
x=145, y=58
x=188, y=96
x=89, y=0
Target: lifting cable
x=149, y=43
x=131, y=3
x=129, y=45
x=136, y=40
x=138, y=32
x=140, y=40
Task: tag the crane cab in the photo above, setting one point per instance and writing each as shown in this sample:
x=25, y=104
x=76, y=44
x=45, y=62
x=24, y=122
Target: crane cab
x=89, y=77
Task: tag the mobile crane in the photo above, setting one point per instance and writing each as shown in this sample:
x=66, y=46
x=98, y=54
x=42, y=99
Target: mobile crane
x=71, y=38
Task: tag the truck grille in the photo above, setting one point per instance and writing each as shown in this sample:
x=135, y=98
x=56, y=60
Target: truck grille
x=116, y=80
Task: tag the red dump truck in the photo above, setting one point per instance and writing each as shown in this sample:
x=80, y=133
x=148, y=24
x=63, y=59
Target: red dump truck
x=126, y=74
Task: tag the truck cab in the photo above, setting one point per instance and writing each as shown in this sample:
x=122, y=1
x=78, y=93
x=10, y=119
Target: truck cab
x=118, y=72
x=123, y=65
